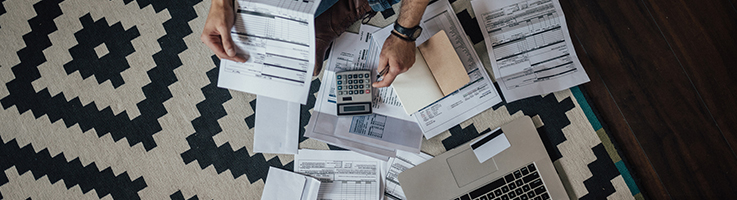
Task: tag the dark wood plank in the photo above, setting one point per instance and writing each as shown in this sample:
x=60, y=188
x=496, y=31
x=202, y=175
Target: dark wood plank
x=657, y=101
x=703, y=36
x=640, y=168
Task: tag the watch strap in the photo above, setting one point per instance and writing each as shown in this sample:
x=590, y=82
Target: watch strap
x=406, y=32
x=403, y=37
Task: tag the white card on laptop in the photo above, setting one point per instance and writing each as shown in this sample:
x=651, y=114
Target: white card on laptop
x=490, y=145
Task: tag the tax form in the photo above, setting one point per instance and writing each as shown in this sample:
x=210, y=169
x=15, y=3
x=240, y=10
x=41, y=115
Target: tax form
x=529, y=46
x=278, y=38
x=379, y=134
x=473, y=98
x=343, y=174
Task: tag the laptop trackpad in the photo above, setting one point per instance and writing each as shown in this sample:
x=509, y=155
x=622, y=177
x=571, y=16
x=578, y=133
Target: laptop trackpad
x=466, y=167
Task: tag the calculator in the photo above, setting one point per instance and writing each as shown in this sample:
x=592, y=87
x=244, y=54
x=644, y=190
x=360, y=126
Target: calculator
x=353, y=89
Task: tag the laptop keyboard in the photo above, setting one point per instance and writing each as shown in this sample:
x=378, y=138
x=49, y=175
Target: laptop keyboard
x=522, y=184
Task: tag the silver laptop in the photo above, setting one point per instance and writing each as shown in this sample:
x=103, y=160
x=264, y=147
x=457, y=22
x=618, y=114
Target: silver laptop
x=522, y=171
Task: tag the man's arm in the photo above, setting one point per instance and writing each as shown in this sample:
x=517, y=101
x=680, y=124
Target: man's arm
x=399, y=54
x=216, y=33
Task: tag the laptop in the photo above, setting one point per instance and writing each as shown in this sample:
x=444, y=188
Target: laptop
x=522, y=171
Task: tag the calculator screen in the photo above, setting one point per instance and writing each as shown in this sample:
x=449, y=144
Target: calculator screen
x=353, y=108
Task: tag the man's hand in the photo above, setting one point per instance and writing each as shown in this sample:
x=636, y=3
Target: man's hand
x=216, y=34
x=396, y=54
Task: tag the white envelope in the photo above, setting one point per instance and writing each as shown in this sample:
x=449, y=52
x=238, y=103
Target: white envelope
x=282, y=184
x=277, y=126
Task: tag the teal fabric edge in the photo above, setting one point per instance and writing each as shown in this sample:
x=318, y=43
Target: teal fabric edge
x=576, y=91
x=627, y=178
x=586, y=108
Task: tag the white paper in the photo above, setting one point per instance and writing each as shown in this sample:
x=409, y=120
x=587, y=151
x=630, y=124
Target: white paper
x=377, y=135
x=278, y=37
x=490, y=145
x=529, y=46
x=343, y=174
x=282, y=184
x=276, y=127
x=473, y=98
x=396, y=165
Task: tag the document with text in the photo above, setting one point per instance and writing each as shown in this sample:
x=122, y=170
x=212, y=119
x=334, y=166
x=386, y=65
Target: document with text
x=396, y=165
x=277, y=37
x=468, y=101
x=342, y=174
x=379, y=134
x=529, y=46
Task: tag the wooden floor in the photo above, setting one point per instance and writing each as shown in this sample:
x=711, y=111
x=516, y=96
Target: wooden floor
x=664, y=79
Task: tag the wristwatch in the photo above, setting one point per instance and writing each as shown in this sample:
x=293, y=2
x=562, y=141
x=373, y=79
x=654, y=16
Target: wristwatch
x=409, y=34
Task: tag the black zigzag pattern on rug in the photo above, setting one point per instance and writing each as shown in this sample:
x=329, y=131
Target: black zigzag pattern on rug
x=139, y=130
x=203, y=147
x=553, y=115
x=2, y=11
x=116, y=40
x=179, y=196
x=73, y=173
x=459, y=135
x=603, y=171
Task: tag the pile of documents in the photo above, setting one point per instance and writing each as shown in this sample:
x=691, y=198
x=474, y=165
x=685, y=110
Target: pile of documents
x=530, y=54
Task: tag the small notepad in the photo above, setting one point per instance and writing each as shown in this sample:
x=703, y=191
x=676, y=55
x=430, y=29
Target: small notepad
x=437, y=72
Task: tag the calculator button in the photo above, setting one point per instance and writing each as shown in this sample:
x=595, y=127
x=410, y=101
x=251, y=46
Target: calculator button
x=340, y=82
x=368, y=91
x=340, y=93
x=355, y=76
x=350, y=92
x=368, y=85
x=360, y=76
x=361, y=91
x=348, y=76
x=339, y=76
x=366, y=75
x=350, y=81
x=340, y=87
x=360, y=81
x=350, y=87
x=360, y=87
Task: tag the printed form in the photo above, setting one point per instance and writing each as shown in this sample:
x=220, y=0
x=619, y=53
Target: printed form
x=277, y=37
x=396, y=165
x=529, y=47
x=380, y=134
x=342, y=174
x=473, y=98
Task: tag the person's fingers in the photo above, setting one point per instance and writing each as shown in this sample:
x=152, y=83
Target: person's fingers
x=383, y=63
x=228, y=45
x=387, y=80
x=213, y=42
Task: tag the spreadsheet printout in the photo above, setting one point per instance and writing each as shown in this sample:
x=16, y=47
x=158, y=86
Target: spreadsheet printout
x=277, y=38
x=529, y=47
x=342, y=174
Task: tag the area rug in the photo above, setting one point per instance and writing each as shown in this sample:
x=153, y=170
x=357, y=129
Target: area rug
x=117, y=99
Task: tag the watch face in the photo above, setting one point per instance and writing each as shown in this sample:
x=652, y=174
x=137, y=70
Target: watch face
x=417, y=33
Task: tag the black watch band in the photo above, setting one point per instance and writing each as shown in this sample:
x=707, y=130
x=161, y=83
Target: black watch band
x=410, y=34
x=403, y=37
